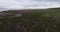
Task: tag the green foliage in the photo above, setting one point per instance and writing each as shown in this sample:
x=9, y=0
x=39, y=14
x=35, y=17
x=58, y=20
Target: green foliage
x=42, y=21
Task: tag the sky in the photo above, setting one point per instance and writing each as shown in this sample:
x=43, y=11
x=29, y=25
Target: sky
x=28, y=4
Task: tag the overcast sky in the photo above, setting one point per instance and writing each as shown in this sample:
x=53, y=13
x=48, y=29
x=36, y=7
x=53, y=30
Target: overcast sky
x=21, y=4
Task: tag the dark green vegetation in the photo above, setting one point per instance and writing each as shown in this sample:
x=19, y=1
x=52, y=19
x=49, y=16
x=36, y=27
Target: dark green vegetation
x=47, y=20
